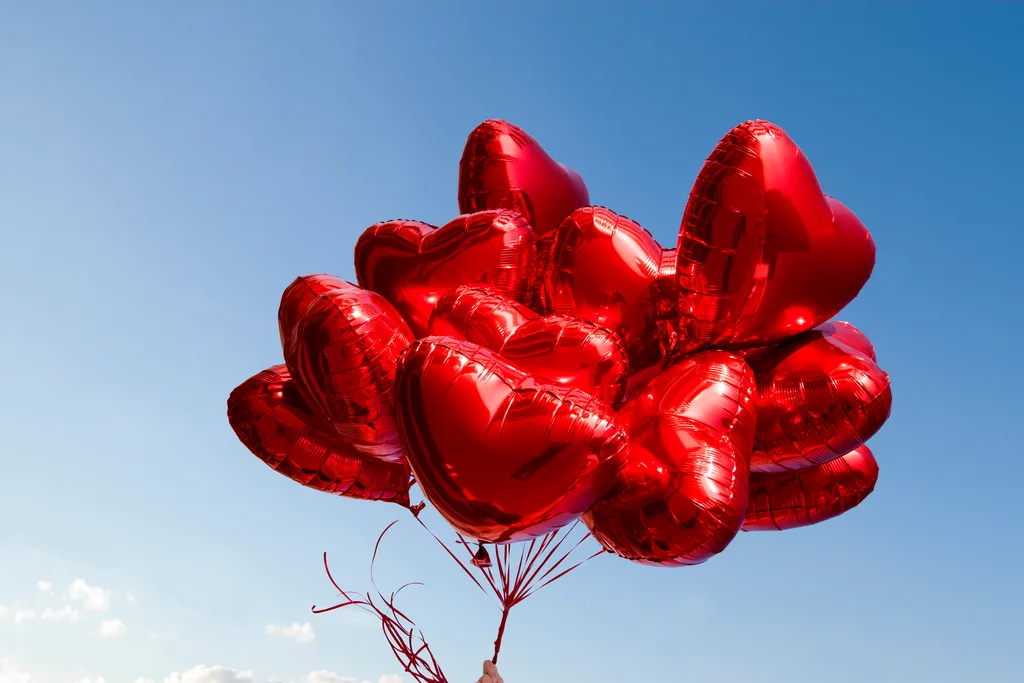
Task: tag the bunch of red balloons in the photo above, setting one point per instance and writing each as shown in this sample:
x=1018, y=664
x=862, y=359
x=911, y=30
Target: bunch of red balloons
x=538, y=359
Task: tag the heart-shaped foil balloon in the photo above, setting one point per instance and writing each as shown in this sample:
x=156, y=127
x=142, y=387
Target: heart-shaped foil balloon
x=559, y=349
x=605, y=268
x=341, y=344
x=411, y=264
x=682, y=495
x=763, y=254
x=821, y=395
x=504, y=168
x=787, y=500
x=502, y=456
x=272, y=419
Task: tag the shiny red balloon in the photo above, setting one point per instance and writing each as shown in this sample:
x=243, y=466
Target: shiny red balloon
x=411, y=264
x=502, y=167
x=763, y=254
x=558, y=349
x=502, y=456
x=683, y=494
x=605, y=268
x=341, y=344
x=820, y=396
x=787, y=500
x=271, y=418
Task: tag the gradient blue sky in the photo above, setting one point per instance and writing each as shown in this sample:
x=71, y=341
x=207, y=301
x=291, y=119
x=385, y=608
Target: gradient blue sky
x=167, y=169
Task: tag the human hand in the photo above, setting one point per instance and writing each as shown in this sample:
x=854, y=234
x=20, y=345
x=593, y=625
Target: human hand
x=491, y=674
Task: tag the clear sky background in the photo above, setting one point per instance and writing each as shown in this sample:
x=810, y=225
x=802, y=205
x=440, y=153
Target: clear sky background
x=166, y=169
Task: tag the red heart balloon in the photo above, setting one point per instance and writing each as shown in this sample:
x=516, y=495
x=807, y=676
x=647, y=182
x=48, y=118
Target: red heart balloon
x=787, y=500
x=605, y=268
x=682, y=496
x=819, y=398
x=504, y=168
x=412, y=264
x=558, y=349
x=341, y=344
x=763, y=254
x=502, y=456
x=272, y=419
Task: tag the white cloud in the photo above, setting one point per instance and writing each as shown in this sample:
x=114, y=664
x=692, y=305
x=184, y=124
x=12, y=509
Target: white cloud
x=3, y=611
x=210, y=674
x=390, y=679
x=113, y=628
x=93, y=598
x=24, y=615
x=324, y=676
x=152, y=635
x=300, y=633
x=11, y=674
x=65, y=613
x=91, y=679
x=45, y=587
x=130, y=598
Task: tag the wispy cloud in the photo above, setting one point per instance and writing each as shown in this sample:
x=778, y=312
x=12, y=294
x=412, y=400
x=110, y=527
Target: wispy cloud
x=65, y=613
x=113, y=628
x=3, y=611
x=45, y=587
x=24, y=615
x=130, y=598
x=93, y=598
x=300, y=633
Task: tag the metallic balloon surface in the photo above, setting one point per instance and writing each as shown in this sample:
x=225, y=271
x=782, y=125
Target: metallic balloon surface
x=787, y=500
x=341, y=345
x=502, y=167
x=819, y=398
x=682, y=495
x=559, y=349
x=605, y=268
x=411, y=264
x=272, y=419
x=763, y=254
x=502, y=456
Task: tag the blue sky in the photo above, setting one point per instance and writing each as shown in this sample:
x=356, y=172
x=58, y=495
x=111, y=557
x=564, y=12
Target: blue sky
x=166, y=172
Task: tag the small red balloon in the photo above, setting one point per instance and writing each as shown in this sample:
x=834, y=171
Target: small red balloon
x=819, y=398
x=502, y=167
x=502, y=456
x=787, y=500
x=683, y=494
x=341, y=344
x=411, y=264
x=559, y=349
x=605, y=268
x=269, y=415
x=763, y=254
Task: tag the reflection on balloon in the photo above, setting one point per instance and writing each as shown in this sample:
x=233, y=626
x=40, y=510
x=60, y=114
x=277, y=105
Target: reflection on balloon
x=341, y=345
x=605, y=268
x=787, y=500
x=502, y=456
x=269, y=416
x=683, y=494
x=411, y=264
x=556, y=348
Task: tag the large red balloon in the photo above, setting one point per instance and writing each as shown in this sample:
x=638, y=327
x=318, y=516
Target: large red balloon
x=787, y=500
x=412, y=264
x=502, y=167
x=821, y=395
x=683, y=494
x=502, y=456
x=271, y=418
x=606, y=268
x=341, y=344
x=568, y=351
x=763, y=254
